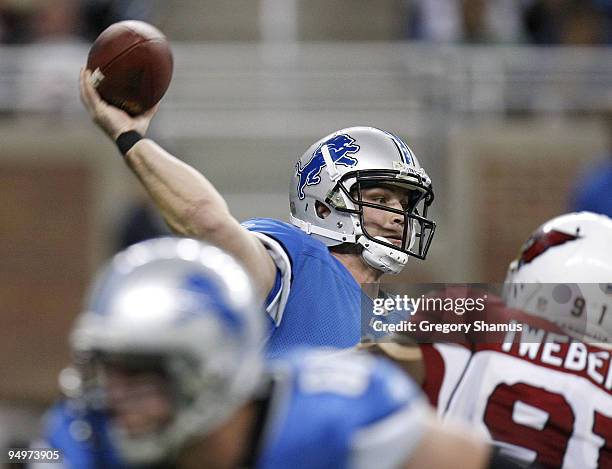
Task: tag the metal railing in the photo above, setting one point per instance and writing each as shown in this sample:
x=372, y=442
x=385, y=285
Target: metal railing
x=323, y=77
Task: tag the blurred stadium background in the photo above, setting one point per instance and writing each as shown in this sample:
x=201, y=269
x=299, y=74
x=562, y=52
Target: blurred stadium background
x=504, y=102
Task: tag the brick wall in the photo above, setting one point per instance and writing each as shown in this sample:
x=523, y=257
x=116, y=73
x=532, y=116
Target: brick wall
x=44, y=250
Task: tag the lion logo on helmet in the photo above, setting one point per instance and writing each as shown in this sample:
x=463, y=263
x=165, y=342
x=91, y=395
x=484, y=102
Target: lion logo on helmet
x=340, y=147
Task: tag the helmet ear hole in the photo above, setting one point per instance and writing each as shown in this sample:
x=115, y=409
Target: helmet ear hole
x=322, y=210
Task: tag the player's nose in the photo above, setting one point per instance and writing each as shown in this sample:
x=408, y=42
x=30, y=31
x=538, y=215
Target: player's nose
x=398, y=219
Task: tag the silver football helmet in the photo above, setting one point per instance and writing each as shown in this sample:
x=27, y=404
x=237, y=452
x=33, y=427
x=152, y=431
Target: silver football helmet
x=333, y=172
x=564, y=274
x=191, y=309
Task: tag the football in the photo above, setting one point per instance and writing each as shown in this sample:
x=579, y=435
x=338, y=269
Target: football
x=131, y=64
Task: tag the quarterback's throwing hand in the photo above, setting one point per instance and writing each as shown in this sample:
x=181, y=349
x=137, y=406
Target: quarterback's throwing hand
x=112, y=120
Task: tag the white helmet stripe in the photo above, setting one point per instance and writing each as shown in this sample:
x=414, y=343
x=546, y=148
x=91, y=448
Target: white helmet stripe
x=330, y=166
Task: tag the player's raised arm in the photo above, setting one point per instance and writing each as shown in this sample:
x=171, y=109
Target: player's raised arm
x=188, y=201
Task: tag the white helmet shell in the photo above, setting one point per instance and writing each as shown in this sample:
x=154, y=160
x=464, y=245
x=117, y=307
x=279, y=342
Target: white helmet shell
x=564, y=274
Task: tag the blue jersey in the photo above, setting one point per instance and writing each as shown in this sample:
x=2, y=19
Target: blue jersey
x=341, y=410
x=315, y=301
x=593, y=193
x=326, y=410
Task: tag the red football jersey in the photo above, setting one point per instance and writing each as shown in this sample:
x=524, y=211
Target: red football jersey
x=539, y=394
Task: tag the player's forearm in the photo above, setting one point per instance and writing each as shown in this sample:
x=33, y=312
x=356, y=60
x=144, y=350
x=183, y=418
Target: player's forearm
x=188, y=201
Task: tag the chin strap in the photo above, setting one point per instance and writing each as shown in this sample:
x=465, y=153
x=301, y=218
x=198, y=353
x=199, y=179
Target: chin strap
x=376, y=255
x=383, y=258
x=326, y=233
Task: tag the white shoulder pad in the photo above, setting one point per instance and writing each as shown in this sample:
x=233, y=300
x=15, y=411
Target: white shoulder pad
x=276, y=308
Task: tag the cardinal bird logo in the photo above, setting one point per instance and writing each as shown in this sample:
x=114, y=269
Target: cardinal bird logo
x=541, y=242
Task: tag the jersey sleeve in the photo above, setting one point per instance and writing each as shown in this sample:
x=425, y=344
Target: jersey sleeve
x=284, y=243
x=389, y=439
x=343, y=409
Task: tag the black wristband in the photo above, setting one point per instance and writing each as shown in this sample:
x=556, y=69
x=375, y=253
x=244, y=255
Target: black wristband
x=127, y=140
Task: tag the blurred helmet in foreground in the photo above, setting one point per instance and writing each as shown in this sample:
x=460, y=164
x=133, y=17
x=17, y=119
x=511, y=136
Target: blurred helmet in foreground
x=564, y=274
x=187, y=307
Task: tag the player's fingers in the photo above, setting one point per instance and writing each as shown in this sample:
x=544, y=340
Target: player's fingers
x=151, y=112
x=84, y=89
x=89, y=95
x=81, y=85
x=84, y=83
x=142, y=122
